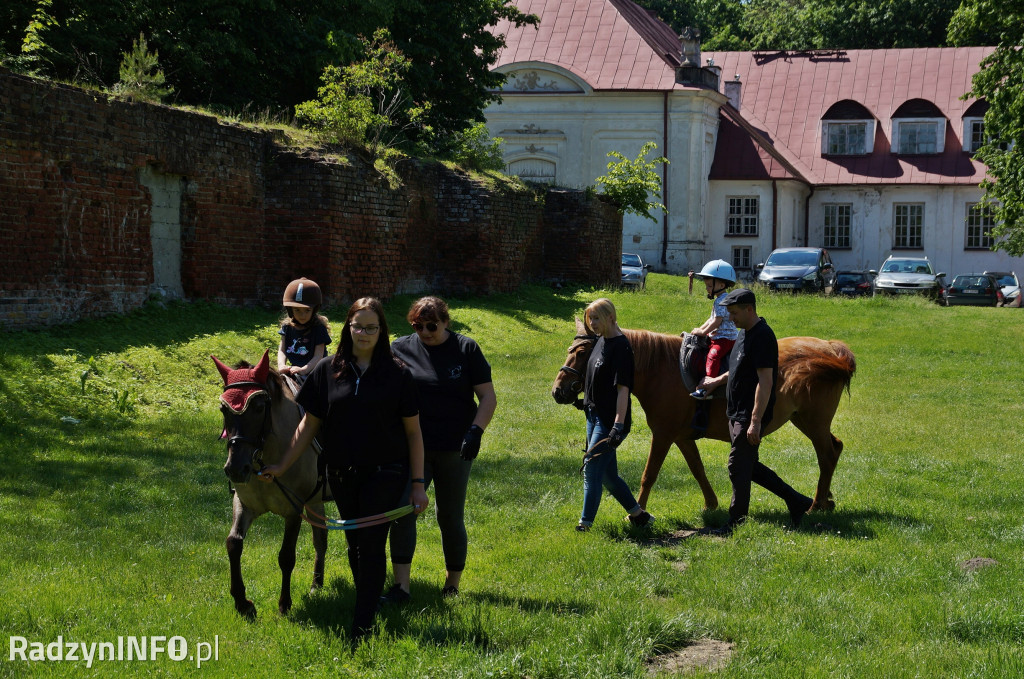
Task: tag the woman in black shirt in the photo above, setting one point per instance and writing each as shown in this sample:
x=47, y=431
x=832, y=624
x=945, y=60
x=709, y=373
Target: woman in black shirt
x=606, y=402
x=365, y=402
x=457, y=401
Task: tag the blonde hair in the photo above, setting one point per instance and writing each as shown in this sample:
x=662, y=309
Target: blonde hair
x=600, y=307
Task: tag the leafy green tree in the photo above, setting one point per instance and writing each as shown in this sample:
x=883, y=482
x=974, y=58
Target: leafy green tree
x=1001, y=83
x=629, y=182
x=449, y=47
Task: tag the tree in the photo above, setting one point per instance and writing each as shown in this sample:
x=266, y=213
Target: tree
x=1001, y=83
x=629, y=182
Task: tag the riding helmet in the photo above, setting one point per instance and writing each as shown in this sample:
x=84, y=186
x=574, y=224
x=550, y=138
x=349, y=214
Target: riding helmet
x=303, y=293
x=720, y=269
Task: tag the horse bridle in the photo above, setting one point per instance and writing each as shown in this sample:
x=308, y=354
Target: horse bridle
x=257, y=444
x=577, y=384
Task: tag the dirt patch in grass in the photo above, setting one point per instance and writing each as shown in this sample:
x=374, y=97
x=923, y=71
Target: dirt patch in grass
x=705, y=654
x=977, y=563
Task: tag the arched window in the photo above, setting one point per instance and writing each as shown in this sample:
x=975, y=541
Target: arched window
x=533, y=170
x=918, y=127
x=847, y=129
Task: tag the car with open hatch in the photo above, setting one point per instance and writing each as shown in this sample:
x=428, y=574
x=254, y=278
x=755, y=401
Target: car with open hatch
x=634, y=271
x=907, y=275
x=795, y=269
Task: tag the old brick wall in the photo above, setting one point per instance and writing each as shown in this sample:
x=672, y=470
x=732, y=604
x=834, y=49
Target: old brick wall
x=84, y=220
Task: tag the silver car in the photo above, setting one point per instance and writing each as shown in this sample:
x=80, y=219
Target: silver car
x=634, y=271
x=908, y=275
x=1010, y=285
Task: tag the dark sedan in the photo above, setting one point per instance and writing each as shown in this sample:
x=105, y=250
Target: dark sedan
x=973, y=289
x=854, y=283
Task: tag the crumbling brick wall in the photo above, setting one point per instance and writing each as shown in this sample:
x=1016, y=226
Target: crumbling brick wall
x=85, y=179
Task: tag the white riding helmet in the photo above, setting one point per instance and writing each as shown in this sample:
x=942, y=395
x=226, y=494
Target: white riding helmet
x=720, y=269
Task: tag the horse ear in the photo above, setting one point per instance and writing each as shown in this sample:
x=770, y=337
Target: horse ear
x=580, y=328
x=221, y=368
x=263, y=367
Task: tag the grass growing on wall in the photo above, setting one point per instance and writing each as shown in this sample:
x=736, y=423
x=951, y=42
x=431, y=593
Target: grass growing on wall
x=115, y=509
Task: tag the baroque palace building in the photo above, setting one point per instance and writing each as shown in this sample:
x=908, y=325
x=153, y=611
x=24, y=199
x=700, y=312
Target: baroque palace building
x=863, y=152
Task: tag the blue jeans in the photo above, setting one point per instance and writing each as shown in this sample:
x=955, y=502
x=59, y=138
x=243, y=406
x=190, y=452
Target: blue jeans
x=602, y=471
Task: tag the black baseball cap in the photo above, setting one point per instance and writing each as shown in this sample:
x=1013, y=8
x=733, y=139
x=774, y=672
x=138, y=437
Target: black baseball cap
x=739, y=296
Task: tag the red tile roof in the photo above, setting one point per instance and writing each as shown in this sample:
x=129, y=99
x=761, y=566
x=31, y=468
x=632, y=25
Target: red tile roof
x=611, y=44
x=786, y=94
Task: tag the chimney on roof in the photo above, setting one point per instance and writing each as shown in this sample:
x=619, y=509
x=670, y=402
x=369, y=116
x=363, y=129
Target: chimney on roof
x=689, y=43
x=732, y=91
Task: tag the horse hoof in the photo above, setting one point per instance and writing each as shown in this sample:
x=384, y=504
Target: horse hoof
x=284, y=606
x=247, y=610
x=826, y=506
x=314, y=588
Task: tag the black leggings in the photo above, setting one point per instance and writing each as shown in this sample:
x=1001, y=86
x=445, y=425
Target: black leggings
x=364, y=491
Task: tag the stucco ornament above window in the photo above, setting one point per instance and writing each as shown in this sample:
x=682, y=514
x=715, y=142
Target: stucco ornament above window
x=539, y=81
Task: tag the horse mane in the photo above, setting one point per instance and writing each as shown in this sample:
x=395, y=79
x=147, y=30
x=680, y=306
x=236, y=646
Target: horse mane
x=807, y=361
x=651, y=350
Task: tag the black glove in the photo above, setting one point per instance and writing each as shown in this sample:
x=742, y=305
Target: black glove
x=615, y=436
x=471, y=443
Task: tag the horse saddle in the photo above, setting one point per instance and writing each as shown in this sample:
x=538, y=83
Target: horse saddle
x=693, y=356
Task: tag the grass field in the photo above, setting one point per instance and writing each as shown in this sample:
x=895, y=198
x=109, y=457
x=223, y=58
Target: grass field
x=114, y=510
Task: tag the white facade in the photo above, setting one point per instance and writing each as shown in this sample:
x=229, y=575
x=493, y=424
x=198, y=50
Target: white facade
x=556, y=127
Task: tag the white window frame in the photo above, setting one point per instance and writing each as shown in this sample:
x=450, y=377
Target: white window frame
x=743, y=222
x=914, y=236
x=978, y=225
x=839, y=230
x=974, y=134
x=940, y=135
x=869, y=136
x=741, y=257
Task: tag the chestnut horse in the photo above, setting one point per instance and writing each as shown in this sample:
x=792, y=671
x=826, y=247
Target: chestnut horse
x=812, y=376
x=259, y=420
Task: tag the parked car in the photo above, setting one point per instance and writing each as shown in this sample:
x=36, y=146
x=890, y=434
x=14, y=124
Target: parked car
x=1009, y=283
x=634, y=271
x=909, y=275
x=855, y=283
x=973, y=289
x=795, y=269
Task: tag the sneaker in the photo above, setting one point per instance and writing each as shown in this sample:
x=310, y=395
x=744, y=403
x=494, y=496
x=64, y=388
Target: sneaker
x=449, y=592
x=642, y=519
x=701, y=395
x=395, y=595
x=582, y=528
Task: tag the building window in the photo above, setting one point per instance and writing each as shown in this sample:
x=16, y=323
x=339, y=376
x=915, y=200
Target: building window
x=846, y=139
x=533, y=170
x=742, y=219
x=741, y=257
x=974, y=134
x=908, y=226
x=979, y=227
x=918, y=137
x=837, y=225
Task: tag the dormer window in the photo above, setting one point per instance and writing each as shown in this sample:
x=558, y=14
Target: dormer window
x=918, y=128
x=974, y=126
x=847, y=129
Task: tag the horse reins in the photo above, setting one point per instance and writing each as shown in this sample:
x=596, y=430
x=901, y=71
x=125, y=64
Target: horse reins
x=577, y=384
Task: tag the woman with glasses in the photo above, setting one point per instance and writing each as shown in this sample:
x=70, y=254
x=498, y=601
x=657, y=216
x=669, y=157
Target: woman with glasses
x=457, y=401
x=365, y=400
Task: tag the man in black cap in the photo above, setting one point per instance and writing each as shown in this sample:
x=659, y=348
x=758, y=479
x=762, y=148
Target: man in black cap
x=752, y=377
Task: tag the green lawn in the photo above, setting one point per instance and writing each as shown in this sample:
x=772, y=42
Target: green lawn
x=115, y=509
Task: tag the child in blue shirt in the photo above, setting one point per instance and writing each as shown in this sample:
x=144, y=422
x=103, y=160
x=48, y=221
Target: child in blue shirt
x=304, y=334
x=718, y=277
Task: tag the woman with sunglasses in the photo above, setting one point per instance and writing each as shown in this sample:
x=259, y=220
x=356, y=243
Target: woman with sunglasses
x=365, y=400
x=457, y=401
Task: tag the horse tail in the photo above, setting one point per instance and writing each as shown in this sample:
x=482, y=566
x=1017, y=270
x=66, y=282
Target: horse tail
x=808, y=361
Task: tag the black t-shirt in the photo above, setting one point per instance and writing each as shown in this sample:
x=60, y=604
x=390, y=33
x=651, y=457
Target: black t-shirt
x=610, y=364
x=362, y=416
x=445, y=376
x=300, y=343
x=755, y=348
